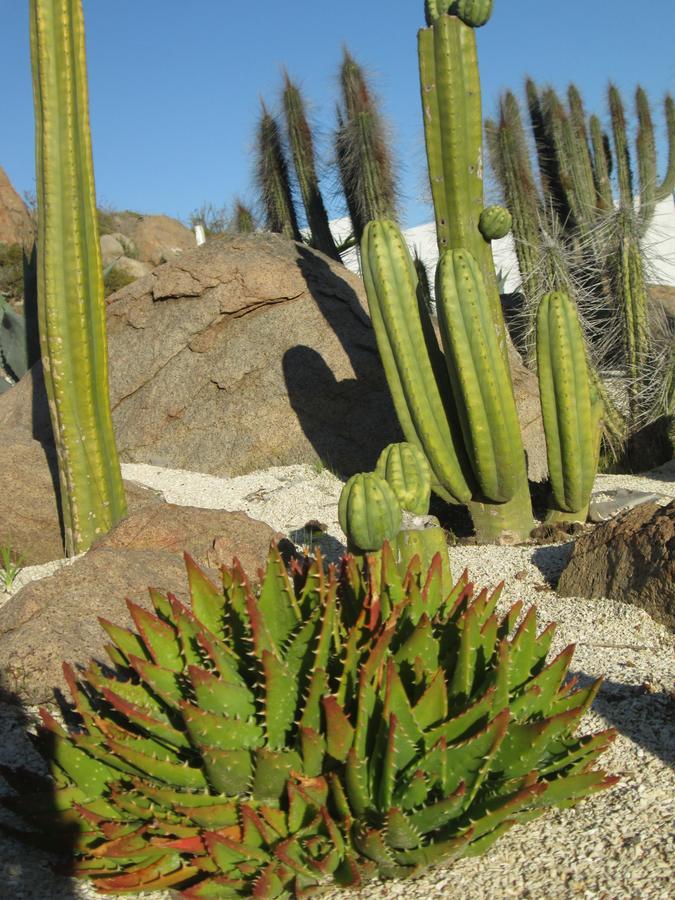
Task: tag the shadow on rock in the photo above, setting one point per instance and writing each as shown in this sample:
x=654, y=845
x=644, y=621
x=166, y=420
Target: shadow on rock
x=551, y=560
x=348, y=422
x=35, y=854
x=644, y=716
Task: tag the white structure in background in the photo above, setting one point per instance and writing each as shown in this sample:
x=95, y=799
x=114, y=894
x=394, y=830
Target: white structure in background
x=200, y=236
x=659, y=241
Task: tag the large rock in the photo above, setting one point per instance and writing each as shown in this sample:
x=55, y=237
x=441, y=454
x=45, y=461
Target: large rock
x=630, y=558
x=155, y=239
x=29, y=514
x=55, y=619
x=16, y=226
x=248, y=352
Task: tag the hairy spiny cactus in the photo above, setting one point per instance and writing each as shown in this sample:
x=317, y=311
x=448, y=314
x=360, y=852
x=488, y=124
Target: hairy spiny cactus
x=324, y=725
x=273, y=179
x=301, y=144
x=362, y=149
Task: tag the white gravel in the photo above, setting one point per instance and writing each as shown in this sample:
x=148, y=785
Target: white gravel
x=616, y=845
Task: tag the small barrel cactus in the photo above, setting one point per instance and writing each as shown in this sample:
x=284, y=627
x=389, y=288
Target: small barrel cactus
x=405, y=468
x=368, y=511
x=495, y=222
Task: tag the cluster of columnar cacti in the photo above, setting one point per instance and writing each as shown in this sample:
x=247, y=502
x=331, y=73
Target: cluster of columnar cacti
x=571, y=232
x=325, y=725
x=71, y=309
x=457, y=405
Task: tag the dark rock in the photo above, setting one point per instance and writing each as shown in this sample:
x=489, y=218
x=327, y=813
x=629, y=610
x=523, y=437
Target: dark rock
x=631, y=559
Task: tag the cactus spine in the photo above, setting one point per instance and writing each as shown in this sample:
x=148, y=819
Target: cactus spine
x=70, y=279
x=302, y=151
x=362, y=149
x=570, y=415
x=273, y=180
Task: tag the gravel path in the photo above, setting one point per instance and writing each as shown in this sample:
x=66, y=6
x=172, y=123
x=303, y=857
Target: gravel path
x=616, y=845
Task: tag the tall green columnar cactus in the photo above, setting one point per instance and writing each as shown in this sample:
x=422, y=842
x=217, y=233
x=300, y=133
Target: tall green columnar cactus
x=273, y=180
x=453, y=128
x=413, y=363
x=243, y=220
x=481, y=385
x=302, y=150
x=70, y=279
x=570, y=411
x=362, y=148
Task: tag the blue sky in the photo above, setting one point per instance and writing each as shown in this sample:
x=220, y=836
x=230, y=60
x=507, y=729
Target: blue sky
x=175, y=86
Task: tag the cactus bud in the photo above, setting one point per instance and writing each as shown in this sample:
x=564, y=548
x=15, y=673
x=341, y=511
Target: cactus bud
x=405, y=468
x=495, y=222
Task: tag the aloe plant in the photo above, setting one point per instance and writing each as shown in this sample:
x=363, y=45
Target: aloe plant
x=321, y=726
x=71, y=309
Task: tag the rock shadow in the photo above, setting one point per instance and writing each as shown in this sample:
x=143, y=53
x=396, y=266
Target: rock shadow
x=32, y=863
x=347, y=422
x=647, y=718
x=551, y=560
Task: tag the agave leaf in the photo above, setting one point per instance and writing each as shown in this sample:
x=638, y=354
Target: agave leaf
x=397, y=753
x=396, y=703
x=159, y=637
x=421, y=644
x=217, y=695
x=272, y=771
x=455, y=728
x=339, y=730
x=311, y=713
x=188, y=630
x=471, y=760
x=229, y=771
x=163, y=682
x=543, y=645
x=210, y=731
x=216, y=817
x=412, y=792
x=90, y=775
x=432, y=854
x=281, y=700
x=528, y=742
x=276, y=601
x=575, y=756
x=483, y=843
x=145, y=743
x=569, y=790
x=164, y=770
x=401, y=835
x=457, y=599
x=540, y=691
x=580, y=699
x=165, y=872
x=432, y=707
x=219, y=887
x=523, y=649
x=366, y=702
x=371, y=843
x=494, y=812
x=508, y=623
x=135, y=694
x=206, y=600
x=313, y=751
x=434, y=816
x=459, y=688
x=156, y=726
x=124, y=640
x=356, y=784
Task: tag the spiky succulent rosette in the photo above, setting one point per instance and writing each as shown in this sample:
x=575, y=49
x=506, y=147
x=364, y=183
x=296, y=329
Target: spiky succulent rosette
x=322, y=726
x=453, y=730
